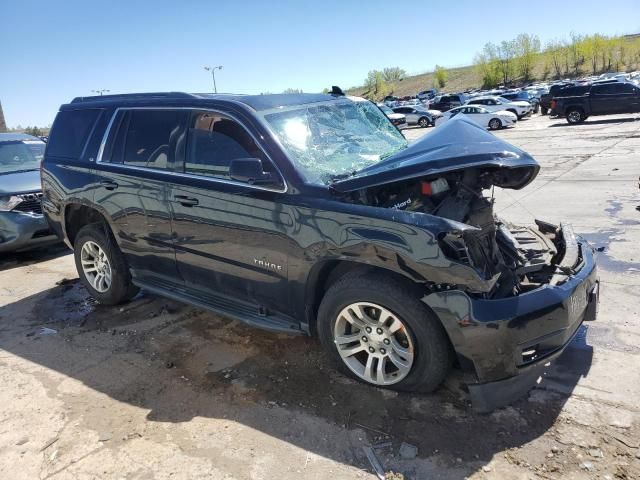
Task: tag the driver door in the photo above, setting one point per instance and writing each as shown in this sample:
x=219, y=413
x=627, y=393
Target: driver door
x=230, y=237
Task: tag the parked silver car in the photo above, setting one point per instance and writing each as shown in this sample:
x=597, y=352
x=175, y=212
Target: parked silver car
x=418, y=115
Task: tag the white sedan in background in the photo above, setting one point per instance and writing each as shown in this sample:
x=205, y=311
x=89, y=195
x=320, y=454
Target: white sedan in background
x=492, y=103
x=481, y=116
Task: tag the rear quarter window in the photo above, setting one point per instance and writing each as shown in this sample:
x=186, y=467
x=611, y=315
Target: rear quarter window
x=70, y=132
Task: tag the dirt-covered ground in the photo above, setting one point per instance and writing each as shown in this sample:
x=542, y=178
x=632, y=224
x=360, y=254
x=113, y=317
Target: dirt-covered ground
x=157, y=389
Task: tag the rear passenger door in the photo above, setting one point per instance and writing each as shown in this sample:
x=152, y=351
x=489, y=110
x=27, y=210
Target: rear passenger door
x=132, y=174
x=604, y=99
x=628, y=97
x=230, y=237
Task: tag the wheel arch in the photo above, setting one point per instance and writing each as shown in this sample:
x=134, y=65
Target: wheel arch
x=324, y=274
x=76, y=216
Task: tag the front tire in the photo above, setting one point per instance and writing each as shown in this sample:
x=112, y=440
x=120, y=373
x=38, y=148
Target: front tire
x=101, y=265
x=376, y=330
x=495, y=124
x=544, y=110
x=423, y=122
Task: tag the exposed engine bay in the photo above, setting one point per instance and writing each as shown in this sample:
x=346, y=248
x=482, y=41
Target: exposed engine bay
x=516, y=259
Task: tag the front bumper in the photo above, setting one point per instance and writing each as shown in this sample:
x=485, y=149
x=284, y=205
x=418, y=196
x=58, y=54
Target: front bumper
x=504, y=344
x=23, y=231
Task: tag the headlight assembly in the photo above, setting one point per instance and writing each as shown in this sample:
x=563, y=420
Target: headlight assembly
x=9, y=202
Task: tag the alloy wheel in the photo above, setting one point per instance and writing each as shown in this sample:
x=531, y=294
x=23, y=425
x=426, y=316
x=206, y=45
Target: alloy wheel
x=494, y=124
x=96, y=266
x=574, y=116
x=373, y=343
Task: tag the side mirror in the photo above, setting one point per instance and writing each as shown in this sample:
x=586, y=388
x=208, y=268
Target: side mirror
x=249, y=170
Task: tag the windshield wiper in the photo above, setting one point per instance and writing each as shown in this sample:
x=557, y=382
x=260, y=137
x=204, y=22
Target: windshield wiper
x=19, y=171
x=342, y=176
x=392, y=152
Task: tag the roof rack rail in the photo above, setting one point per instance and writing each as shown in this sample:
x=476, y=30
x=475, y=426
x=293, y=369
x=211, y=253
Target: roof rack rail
x=132, y=96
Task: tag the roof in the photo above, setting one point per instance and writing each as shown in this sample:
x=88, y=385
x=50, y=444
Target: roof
x=16, y=137
x=485, y=97
x=256, y=102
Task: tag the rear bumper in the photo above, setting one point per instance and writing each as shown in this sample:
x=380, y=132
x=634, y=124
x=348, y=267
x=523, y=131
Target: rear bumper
x=23, y=231
x=504, y=345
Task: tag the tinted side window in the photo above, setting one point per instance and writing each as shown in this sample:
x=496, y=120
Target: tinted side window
x=151, y=137
x=573, y=91
x=214, y=140
x=624, y=88
x=604, y=89
x=70, y=132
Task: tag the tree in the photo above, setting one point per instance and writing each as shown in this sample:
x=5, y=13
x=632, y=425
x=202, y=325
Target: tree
x=527, y=48
x=392, y=74
x=35, y=131
x=441, y=76
x=381, y=89
x=292, y=90
x=576, y=52
x=370, y=81
x=487, y=65
x=506, y=53
x=592, y=47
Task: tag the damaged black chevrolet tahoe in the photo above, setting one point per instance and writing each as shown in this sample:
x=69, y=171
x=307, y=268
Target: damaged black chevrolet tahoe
x=312, y=214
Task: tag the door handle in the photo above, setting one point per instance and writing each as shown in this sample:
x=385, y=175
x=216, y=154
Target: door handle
x=186, y=201
x=109, y=185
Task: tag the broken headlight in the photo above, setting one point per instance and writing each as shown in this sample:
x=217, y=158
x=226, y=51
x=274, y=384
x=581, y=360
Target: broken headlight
x=9, y=202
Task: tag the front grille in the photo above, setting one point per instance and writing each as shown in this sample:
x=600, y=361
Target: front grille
x=31, y=203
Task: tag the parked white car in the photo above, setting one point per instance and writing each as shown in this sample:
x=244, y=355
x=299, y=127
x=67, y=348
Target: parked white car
x=398, y=119
x=494, y=104
x=481, y=116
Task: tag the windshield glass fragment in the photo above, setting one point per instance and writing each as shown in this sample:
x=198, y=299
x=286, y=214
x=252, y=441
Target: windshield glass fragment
x=335, y=139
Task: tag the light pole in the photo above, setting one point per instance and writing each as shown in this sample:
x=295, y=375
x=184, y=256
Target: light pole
x=213, y=75
x=100, y=91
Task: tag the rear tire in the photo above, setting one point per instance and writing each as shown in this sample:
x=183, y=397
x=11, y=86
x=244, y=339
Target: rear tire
x=544, y=110
x=495, y=124
x=575, y=115
x=101, y=265
x=419, y=343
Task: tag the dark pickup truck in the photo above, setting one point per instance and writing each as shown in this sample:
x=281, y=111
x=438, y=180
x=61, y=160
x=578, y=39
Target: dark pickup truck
x=447, y=102
x=546, y=98
x=580, y=102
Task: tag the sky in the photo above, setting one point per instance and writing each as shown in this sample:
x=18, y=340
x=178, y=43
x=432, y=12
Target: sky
x=53, y=51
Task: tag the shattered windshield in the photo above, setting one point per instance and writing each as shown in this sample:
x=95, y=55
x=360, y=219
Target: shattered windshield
x=333, y=140
x=18, y=156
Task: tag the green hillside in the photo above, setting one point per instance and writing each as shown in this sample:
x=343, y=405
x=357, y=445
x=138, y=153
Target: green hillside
x=458, y=79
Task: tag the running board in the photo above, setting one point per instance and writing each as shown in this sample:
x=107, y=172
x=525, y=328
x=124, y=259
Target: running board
x=242, y=311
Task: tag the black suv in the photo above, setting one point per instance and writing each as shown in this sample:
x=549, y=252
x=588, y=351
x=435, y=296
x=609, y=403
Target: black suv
x=312, y=214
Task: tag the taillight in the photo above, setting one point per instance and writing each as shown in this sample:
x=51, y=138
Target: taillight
x=553, y=104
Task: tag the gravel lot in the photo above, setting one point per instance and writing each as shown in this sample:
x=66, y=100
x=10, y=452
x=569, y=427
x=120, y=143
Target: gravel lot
x=157, y=389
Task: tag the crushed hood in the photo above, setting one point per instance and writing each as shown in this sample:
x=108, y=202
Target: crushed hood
x=455, y=145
